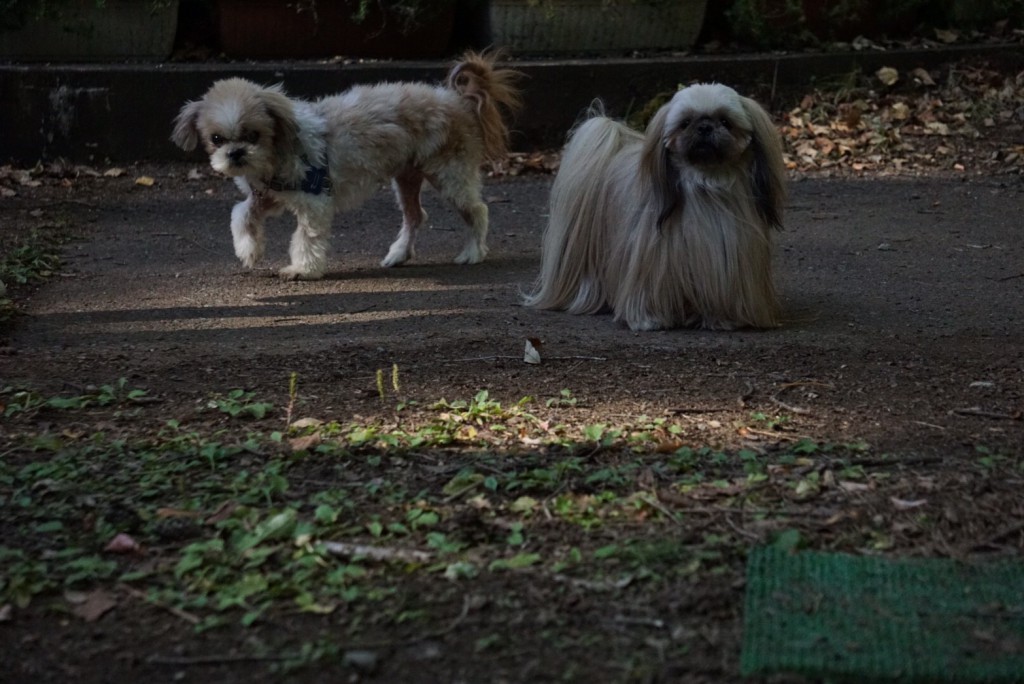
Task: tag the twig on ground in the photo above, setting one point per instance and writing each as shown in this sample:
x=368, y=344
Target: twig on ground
x=546, y=358
x=752, y=536
x=978, y=412
x=177, y=612
x=790, y=385
x=376, y=553
x=655, y=503
x=804, y=383
x=789, y=407
x=464, y=490
x=775, y=434
x=638, y=621
x=184, y=661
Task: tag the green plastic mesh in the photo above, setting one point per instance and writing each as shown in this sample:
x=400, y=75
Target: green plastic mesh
x=906, y=620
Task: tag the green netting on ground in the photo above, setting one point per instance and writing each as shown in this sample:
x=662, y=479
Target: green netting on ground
x=863, y=619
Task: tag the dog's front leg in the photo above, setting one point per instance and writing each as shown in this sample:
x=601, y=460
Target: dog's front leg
x=247, y=229
x=310, y=242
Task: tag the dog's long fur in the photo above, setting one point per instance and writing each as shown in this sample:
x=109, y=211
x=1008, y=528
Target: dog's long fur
x=673, y=227
x=404, y=133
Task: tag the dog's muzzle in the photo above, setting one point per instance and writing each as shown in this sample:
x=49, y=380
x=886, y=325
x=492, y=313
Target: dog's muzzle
x=704, y=151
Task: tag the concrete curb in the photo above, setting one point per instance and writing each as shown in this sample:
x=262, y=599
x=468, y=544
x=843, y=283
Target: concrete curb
x=92, y=113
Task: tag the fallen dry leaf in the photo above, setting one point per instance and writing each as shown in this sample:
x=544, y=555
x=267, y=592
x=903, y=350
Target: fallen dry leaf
x=146, y=181
x=122, y=543
x=304, y=443
x=93, y=605
x=922, y=76
x=531, y=353
x=888, y=76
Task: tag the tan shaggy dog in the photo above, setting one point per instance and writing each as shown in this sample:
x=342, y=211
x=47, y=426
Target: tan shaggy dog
x=672, y=227
x=317, y=158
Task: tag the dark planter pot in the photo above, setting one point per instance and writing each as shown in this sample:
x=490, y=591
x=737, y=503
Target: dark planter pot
x=563, y=27
x=276, y=29
x=82, y=32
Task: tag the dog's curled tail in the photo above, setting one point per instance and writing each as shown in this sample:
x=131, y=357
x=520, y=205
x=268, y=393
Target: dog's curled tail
x=490, y=90
x=575, y=243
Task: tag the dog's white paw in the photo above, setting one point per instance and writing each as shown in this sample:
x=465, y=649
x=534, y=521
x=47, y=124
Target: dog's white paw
x=296, y=273
x=472, y=254
x=397, y=255
x=249, y=252
x=645, y=323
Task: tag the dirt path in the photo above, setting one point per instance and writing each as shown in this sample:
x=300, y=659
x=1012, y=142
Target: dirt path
x=904, y=300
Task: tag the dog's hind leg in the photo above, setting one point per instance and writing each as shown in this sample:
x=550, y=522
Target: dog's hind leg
x=461, y=187
x=475, y=215
x=408, y=184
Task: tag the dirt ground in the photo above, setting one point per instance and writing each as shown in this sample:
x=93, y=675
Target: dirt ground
x=902, y=298
x=904, y=332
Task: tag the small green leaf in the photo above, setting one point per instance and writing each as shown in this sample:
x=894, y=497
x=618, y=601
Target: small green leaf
x=522, y=560
x=788, y=540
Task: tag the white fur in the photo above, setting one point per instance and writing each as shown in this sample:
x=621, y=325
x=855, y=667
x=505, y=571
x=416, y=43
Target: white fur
x=671, y=228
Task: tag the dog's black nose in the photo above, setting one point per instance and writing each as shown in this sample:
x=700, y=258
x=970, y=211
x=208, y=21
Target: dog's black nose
x=705, y=128
x=236, y=155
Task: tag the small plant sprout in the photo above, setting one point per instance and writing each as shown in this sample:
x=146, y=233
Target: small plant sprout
x=396, y=386
x=293, y=393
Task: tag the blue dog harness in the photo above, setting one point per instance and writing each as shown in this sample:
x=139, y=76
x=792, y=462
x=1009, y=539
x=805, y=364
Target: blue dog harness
x=316, y=182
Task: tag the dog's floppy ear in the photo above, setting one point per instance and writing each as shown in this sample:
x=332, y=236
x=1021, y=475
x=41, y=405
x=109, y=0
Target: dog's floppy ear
x=767, y=170
x=286, y=126
x=186, y=133
x=658, y=176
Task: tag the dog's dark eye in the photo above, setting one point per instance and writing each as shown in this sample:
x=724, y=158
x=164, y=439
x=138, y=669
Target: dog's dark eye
x=217, y=140
x=726, y=124
x=252, y=137
x=685, y=123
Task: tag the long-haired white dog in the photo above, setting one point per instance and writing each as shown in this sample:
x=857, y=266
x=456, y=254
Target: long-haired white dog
x=673, y=227
x=317, y=158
